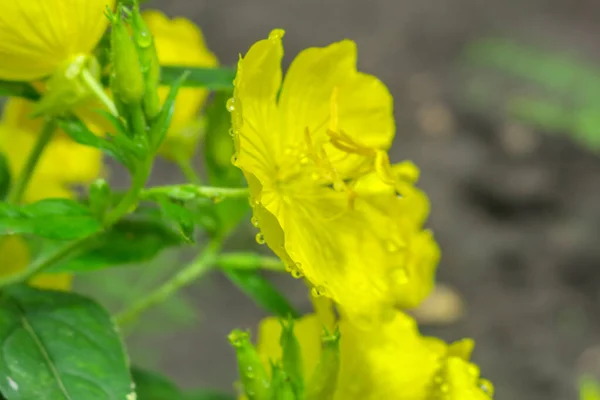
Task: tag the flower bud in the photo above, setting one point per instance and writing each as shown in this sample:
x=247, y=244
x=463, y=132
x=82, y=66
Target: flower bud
x=127, y=81
x=323, y=381
x=144, y=42
x=252, y=373
x=292, y=356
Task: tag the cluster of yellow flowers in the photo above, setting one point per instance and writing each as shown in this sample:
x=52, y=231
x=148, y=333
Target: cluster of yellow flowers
x=325, y=197
x=51, y=45
x=313, y=147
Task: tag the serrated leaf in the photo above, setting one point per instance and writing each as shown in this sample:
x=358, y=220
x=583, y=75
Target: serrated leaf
x=18, y=89
x=211, y=78
x=59, y=346
x=218, y=150
x=50, y=218
x=135, y=239
x=259, y=289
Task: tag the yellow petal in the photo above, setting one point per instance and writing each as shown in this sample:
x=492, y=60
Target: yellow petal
x=181, y=43
x=63, y=162
x=323, y=91
x=254, y=113
x=391, y=362
x=459, y=380
x=40, y=35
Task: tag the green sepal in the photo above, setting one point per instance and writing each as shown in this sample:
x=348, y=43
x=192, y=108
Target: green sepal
x=291, y=359
x=322, y=383
x=253, y=375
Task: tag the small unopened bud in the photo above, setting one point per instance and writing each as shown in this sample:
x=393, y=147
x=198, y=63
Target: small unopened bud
x=127, y=81
x=323, y=381
x=292, y=356
x=252, y=372
x=144, y=42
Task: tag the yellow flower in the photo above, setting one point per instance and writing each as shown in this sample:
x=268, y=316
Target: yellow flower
x=391, y=362
x=62, y=164
x=14, y=256
x=39, y=36
x=180, y=43
x=324, y=196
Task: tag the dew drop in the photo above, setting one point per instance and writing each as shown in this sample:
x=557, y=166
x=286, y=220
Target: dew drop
x=486, y=386
x=234, y=159
x=296, y=273
x=254, y=221
x=260, y=238
x=318, y=291
x=230, y=104
x=391, y=246
x=474, y=370
x=289, y=268
x=276, y=34
x=339, y=186
x=13, y=385
x=400, y=276
x=231, y=132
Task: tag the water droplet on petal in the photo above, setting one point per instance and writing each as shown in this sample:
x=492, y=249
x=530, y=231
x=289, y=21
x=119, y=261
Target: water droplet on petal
x=486, y=386
x=230, y=104
x=276, y=34
x=234, y=159
x=254, y=221
x=260, y=238
x=297, y=273
x=400, y=276
x=318, y=291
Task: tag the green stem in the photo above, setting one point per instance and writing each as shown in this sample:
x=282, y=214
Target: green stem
x=187, y=190
x=200, y=266
x=132, y=196
x=186, y=167
x=70, y=249
x=18, y=189
x=98, y=91
x=249, y=261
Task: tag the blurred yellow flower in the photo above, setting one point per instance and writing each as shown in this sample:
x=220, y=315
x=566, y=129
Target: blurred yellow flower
x=62, y=164
x=180, y=43
x=324, y=196
x=40, y=36
x=391, y=362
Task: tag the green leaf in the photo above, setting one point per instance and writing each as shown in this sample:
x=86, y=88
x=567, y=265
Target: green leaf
x=5, y=178
x=207, y=394
x=211, y=78
x=152, y=386
x=161, y=125
x=59, y=346
x=18, y=89
x=178, y=213
x=120, y=147
x=50, y=218
x=135, y=239
x=262, y=292
x=218, y=151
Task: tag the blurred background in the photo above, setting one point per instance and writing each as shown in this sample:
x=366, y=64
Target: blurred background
x=498, y=103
